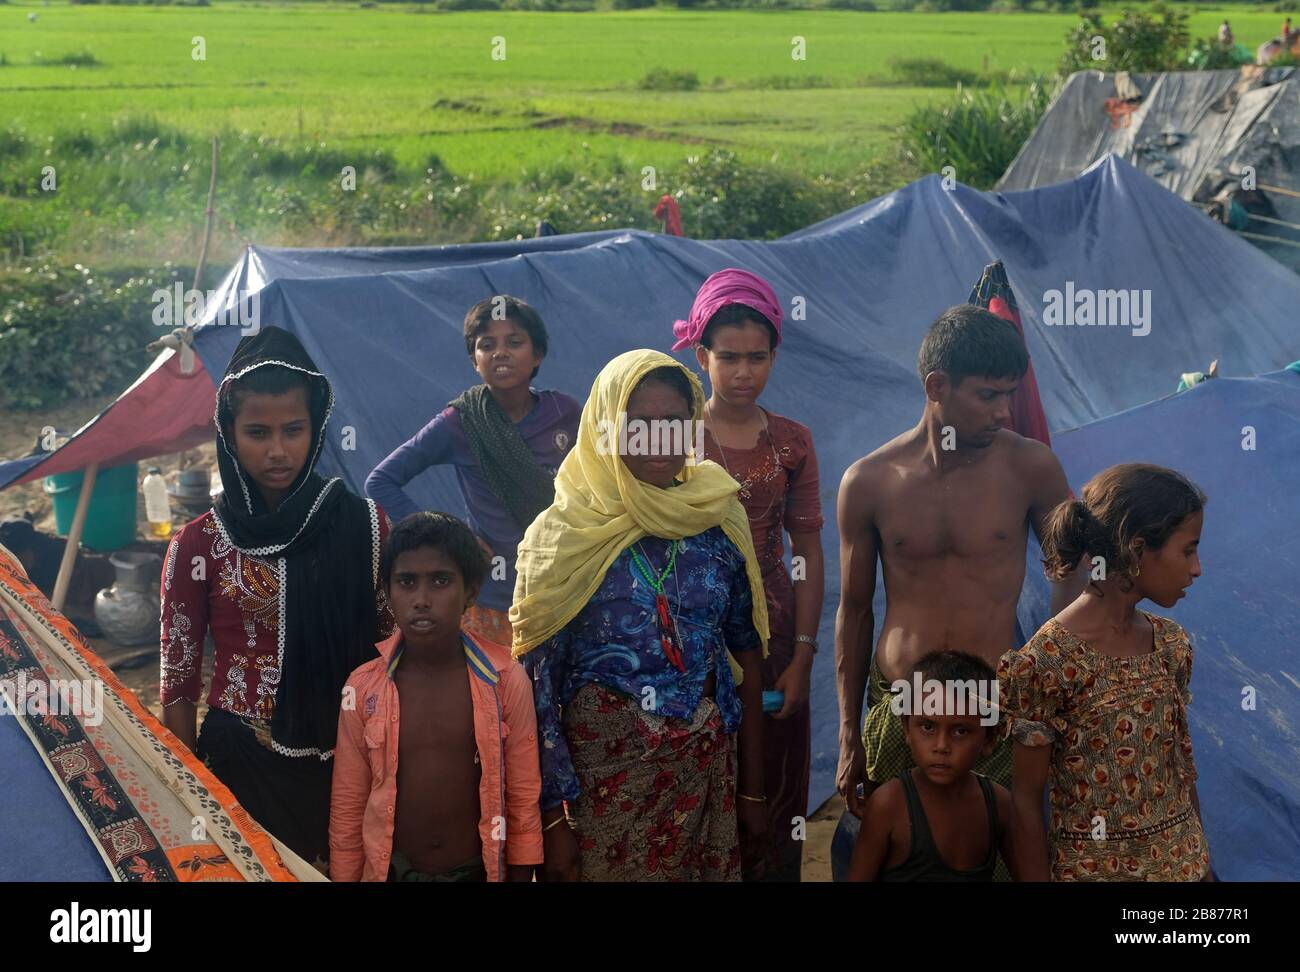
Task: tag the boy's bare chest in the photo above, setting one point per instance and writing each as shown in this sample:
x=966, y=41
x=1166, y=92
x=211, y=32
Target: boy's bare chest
x=437, y=722
x=974, y=514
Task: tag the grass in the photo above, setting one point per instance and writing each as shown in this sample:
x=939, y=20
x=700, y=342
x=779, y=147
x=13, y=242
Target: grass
x=314, y=85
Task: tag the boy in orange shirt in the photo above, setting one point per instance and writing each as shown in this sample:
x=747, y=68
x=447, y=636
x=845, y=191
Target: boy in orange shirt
x=445, y=788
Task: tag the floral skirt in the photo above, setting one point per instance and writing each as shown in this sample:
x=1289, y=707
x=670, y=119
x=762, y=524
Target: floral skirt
x=1172, y=853
x=658, y=796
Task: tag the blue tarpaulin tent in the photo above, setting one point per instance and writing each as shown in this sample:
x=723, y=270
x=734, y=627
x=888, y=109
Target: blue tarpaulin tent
x=861, y=290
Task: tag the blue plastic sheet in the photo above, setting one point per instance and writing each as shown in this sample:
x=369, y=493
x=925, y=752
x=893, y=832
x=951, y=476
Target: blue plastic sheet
x=860, y=290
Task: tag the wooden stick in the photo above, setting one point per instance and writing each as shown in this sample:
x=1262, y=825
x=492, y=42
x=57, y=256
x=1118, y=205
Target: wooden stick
x=1278, y=222
x=1270, y=239
x=207, y=229
x=1285, y=192
x=74, y=537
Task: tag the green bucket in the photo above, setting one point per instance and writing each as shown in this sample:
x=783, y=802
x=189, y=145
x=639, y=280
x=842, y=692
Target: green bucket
x=110, y=517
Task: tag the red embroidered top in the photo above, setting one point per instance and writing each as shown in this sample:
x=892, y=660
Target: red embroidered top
x=781, y=492
x=208, y=585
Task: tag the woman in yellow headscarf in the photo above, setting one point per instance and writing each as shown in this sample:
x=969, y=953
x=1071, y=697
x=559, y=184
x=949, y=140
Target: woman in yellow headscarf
x=639, y=603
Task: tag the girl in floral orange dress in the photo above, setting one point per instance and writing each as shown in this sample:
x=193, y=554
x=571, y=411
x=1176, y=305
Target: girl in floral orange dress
x=1097, y=701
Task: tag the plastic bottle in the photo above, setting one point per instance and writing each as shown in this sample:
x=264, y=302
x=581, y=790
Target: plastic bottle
x=157, y=508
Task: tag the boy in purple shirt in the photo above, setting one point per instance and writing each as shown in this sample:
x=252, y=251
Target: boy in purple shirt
x=506, y=441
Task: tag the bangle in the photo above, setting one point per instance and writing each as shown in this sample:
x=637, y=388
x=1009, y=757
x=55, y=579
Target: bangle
x=806, y=640
x=555, y=823
x=751, y=799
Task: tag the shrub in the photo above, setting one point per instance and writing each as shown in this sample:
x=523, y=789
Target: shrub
x=946, y=6
x=67, y=332
x=662, y=79
x=80, y=143
x=81, y=58
x=929, y=72
x=978, y=132
x=1138, y=41
x=1207, y=54
x=550, y=6
x=13, y=143
x=781, y=82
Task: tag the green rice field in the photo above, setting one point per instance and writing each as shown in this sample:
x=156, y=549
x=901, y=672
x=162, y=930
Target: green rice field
x=417, y=84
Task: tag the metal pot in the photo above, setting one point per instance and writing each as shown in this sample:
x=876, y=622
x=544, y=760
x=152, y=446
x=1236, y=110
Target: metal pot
x=128, y=611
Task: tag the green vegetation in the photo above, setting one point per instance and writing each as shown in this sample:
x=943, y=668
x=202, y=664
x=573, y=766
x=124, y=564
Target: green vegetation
x=978, y=133
x=68, y=332
x=450, y=142
x=1135, y=41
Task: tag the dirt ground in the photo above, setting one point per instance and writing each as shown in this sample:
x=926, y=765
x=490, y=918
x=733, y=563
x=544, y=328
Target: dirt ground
x=19, y=432
x=138, y=667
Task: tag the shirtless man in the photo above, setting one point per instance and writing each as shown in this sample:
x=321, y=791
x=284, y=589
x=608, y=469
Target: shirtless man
x=947, y=507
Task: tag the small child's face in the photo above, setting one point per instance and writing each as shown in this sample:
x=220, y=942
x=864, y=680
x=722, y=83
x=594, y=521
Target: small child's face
x=504, y=355
x=945, y=747
x=272, y=436
x=427, y=594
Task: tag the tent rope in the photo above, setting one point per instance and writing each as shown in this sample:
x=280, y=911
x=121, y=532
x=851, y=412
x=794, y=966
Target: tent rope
x=1278, y=222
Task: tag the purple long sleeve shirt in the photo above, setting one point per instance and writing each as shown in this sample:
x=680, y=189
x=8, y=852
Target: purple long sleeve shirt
x=549, y=430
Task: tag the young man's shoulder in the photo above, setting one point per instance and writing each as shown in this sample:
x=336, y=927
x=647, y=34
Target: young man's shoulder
x=1028, y=454
x=874, y=469
x=900, y=449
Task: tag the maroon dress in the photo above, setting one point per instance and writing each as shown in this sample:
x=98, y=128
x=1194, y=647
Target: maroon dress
x=780, y=491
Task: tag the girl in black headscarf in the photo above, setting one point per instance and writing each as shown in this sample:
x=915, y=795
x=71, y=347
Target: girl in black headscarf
x=283, y=572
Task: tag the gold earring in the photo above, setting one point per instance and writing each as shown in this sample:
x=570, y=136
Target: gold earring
x=1137, y=573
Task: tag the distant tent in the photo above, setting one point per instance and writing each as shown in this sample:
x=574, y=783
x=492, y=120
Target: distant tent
x=1194, y=132
x=862, y=288
x=94, y=788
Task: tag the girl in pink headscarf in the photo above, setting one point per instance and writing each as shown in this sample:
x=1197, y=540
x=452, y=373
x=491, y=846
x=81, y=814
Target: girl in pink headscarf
x=735, y=327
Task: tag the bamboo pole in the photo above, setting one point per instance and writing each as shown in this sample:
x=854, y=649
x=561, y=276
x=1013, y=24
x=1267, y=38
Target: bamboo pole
x=207, y=228
x=74, y=537
x=1285, y=192
x=1270, y=239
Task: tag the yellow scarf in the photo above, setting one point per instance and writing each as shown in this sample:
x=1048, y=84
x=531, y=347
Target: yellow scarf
x=601, y=509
